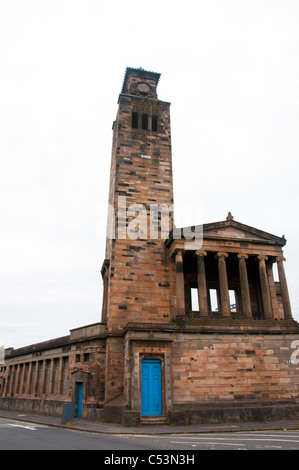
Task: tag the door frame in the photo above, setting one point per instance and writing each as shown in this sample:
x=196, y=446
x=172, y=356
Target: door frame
x=145, y=348
x=159, y=358
x=79, y=376
x=79, y=399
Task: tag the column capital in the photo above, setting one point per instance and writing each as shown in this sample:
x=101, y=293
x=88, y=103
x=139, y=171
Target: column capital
x=179, y=251
x=201, y=253
x=280, y=258
x=221, y=254
x=262, y=257
x=242, y=255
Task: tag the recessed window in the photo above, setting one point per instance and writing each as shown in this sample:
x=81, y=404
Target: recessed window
x=135, y=120
x=144, y=123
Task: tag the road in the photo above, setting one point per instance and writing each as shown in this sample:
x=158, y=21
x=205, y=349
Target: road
x=19, y=435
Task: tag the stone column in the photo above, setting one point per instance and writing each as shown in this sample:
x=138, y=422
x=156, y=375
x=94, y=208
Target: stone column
x=275, y=308
x=224, y=297
x=52, y=376
x=43, y=377
x=17, y=384
x=180, y=285
x=265, y=286
x=37, y=377
x=23, y=379
x=284, y=288
x=60, y=376
x=247, y=312
x=201, y=283
x=28, y=384
x=12, y=383
x=4, y=385
x=7, y=381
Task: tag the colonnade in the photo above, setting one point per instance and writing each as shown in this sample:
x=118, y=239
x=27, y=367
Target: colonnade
x=267, y=284
x=37, y=378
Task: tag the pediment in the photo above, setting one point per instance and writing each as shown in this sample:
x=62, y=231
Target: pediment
x=228, y=230
x=79, y=371
x=233, y=230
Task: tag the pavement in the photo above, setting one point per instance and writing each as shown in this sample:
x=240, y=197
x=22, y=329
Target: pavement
x=110, y=428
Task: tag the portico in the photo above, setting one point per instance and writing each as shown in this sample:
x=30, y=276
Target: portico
x=232, y=273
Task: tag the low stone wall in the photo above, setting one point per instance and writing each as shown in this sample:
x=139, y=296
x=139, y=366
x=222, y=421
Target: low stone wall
x=24, y=405
x=92, y=412
x=234, y=413
x=181, y=415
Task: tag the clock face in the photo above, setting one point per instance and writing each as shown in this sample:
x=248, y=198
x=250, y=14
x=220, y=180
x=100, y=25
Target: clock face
x=143, y=87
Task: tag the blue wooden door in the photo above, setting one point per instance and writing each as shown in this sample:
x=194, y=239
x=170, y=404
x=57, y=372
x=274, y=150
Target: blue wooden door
x=151, y=387
x=79, y=399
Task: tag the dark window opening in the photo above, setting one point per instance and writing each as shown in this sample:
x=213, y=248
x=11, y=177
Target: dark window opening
x=144, y=122
x=135, y=120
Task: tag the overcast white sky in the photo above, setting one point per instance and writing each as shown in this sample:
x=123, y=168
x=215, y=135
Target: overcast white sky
x=230, y=69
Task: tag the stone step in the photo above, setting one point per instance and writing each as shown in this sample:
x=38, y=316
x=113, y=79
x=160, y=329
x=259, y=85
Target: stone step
x=153, y=420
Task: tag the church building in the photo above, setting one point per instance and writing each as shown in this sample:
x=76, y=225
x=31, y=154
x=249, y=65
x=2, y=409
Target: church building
x=195, y=327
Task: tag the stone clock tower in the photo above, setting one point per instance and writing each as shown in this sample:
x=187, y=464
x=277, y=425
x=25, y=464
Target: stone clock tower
x=135, y=270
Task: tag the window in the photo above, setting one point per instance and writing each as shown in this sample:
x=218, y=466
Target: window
x=135, y=120
x=144, y=122
x=78, y=358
